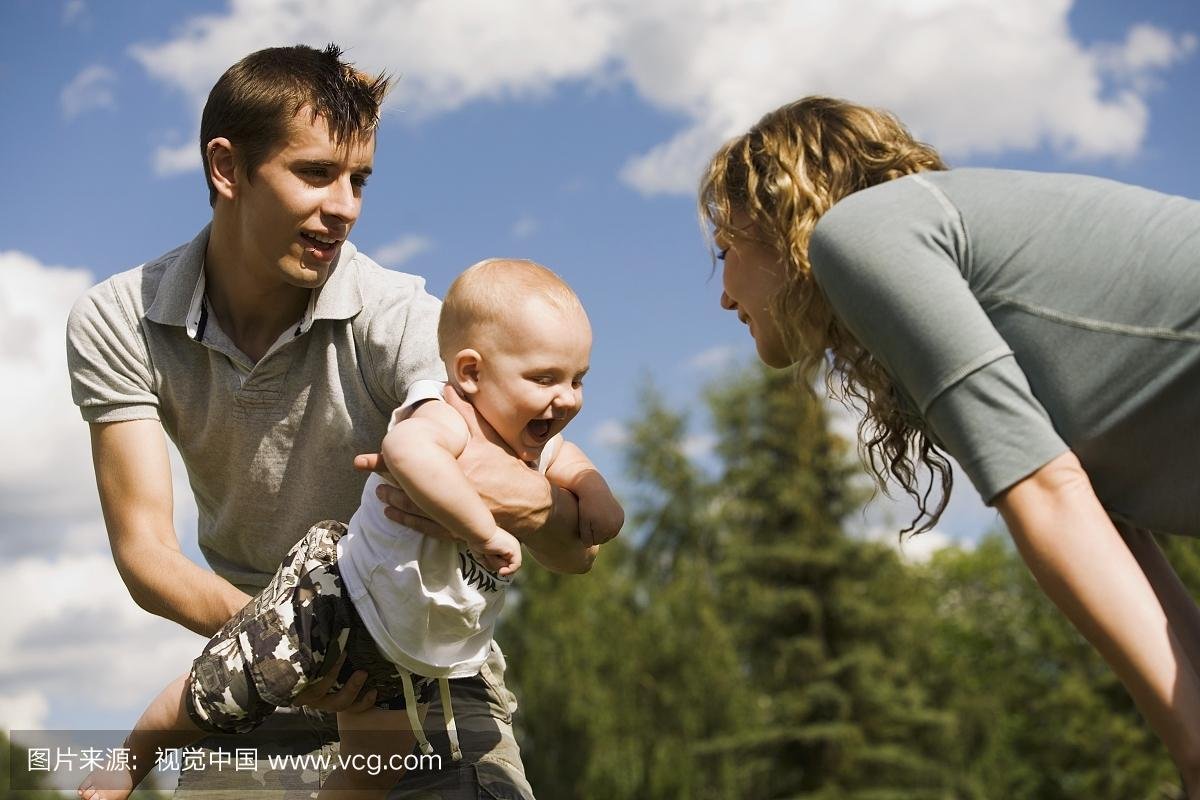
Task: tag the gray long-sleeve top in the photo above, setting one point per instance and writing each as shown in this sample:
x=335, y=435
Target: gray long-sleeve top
x=1025, y=313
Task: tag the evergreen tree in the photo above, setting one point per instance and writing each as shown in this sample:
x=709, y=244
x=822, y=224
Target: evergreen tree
x=1039, y=715
x=629, y=675
x=826, y=621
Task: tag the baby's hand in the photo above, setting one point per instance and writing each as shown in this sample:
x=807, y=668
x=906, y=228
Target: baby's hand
x=600, y=520
x=501, y=554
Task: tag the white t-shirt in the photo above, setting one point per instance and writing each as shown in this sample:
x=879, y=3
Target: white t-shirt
x=428, y=604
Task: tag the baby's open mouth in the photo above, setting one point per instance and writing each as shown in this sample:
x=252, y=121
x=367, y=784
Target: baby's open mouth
x=539, y=430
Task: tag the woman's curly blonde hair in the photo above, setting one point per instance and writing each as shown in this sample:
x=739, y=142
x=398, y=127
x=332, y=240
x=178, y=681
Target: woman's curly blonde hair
x=783, y=174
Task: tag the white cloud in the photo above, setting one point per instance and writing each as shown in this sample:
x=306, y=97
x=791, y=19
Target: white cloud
x=51, y=483
x=52, y=474
x=90, y=90
x=611, y=433
x=24, y=710
x=79, y=641
x=916, y=549
x=74, y=11
x=1147, y=48
x=1145, y=51
x=176, y=159
x=525, y=227
x=715, y=358
x=698, y=445
x=970, y=76
x=396, y=253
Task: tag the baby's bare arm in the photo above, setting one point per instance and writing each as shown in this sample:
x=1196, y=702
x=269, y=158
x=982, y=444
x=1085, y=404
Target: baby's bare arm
x=420, y=454
x=600, y=515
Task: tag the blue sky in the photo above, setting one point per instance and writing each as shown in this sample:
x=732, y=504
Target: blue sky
x=570, y=132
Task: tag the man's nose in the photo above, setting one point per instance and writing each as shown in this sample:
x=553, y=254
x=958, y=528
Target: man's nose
x=342, y=200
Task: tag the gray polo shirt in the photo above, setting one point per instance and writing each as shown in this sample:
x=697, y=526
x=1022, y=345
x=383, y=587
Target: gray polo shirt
x=1024, y=313
x=268, y=446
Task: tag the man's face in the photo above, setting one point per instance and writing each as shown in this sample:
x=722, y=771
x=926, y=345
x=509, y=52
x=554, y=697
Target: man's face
x=530, y=382
x=298, y=208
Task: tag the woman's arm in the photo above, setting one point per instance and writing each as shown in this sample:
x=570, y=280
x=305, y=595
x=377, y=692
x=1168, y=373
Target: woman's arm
x=1086, y=569
x=1176, y=600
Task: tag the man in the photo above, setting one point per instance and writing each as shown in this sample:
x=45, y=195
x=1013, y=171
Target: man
x=271, y=352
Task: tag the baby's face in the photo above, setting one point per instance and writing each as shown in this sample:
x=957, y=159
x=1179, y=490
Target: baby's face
x=530, y=381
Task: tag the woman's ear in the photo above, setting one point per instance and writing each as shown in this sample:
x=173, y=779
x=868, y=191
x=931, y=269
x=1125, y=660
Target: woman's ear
x=222, y=167
x=466, y=366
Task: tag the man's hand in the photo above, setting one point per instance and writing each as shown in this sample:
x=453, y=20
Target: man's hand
x=520, y=499
x=347, y=698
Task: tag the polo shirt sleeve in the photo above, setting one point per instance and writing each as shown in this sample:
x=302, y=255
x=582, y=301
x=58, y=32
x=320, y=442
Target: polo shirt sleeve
x=887, y=260
x=109, y=364
x=401, y=346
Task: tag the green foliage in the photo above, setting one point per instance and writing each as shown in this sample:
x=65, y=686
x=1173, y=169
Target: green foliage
x=1039, y=714
x=36, y=785
x=735, y=642
x=13, y=771
x=822, y=615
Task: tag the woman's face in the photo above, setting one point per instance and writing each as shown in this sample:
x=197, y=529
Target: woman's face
x=753, y=273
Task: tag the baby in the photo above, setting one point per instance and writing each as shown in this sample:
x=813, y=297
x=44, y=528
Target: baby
x=411, y=610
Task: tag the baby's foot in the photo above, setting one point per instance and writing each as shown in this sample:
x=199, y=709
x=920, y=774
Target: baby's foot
x=105, y=784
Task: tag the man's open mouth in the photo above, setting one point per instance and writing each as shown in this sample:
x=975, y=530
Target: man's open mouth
x=321, y=246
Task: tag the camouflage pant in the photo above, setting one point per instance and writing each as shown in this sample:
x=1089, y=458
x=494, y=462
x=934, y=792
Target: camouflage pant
x=287, y=637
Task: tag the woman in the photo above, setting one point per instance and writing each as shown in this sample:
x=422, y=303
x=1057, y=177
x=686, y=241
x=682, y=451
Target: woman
x=1044, y=330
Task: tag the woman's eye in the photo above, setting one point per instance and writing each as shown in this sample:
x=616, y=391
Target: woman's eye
x=721, y=253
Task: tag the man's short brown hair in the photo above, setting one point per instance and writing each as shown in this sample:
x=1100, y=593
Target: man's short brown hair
x=254, y=102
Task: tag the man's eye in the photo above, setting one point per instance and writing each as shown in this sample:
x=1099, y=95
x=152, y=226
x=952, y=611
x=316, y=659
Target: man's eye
x=542, y=380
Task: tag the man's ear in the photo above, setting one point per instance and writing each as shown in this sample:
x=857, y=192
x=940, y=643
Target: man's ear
x=222, y=167
x=466, y=367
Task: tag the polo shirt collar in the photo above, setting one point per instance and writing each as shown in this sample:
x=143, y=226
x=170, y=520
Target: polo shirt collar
x=340, y=297
x=173, y=298
x=179, y=298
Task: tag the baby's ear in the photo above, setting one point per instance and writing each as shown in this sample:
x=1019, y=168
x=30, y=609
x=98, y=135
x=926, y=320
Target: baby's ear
x=466, y=370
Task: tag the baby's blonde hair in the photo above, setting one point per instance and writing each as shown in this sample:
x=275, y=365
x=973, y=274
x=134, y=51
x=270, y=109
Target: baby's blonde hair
x=783, y=174
x=490, y=292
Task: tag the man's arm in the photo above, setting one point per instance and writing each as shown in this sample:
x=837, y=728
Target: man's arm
x=133, y=475
x=1086, y=569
